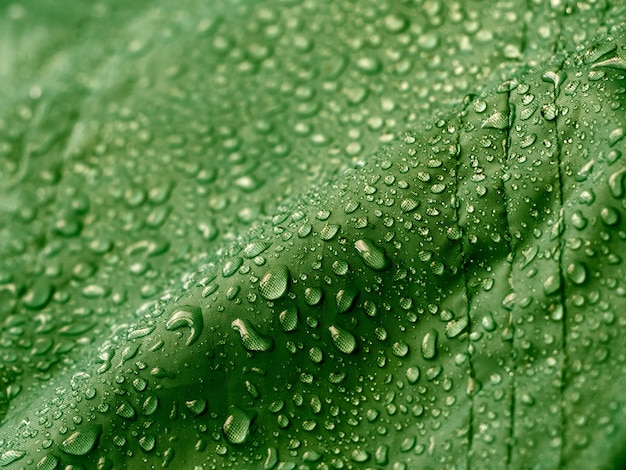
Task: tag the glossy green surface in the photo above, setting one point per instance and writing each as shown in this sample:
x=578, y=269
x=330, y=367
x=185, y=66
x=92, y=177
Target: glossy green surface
x=312, y=234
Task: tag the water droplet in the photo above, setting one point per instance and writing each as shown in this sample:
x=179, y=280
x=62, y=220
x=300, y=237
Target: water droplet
x=10, y=456
x=190, y=317
x=150, y=405
x=616, y=183
x=126, y=410
x=255, y=249
x=313, y=295
x=237, y=426
x=344, y=340
x=197, y=407
x=275, y=283
x=38, y=296
x=316, y=355
x=345, y=299
x=81, y=442
x=340, y=267
x=370, y=308
x=429, y=344
x=395, y=23
x=400, y=348
x=577, y=273
x=413, y=374
x=527, y=140
x=49, y=462
x=496, y=121
x=488, y=322
x=251, y=339
x=305, y=230
x=456, y=327
x=408, y=204
x=609, y=216
x=360, y=456
x=372, y=256
x=147, y=442
x=231, y=266
x=552, y=284
x=329, y=231
x=289, y=319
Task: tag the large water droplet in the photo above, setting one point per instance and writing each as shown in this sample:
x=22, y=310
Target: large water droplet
x=577, y=273
x=344, y=340
x=231, y=266
x=345, y=299
x=275, y=282
x=252, y=340
x=10, y=456
x=289, y=319
x=456, y=327
x=238, y=425
x=372, y=256
x=81, y=442
x=189, y=316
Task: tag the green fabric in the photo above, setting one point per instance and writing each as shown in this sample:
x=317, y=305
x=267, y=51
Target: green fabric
x=312, y=234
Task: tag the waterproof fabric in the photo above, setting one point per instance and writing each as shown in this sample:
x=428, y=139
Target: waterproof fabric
x=312, y=234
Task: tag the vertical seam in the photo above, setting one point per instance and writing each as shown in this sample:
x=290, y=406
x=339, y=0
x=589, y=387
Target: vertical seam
x=465, y=283
x=507, y=149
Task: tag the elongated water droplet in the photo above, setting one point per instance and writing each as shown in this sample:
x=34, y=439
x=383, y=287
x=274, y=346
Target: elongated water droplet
x=252, y=340
x=189, y=316
x=49, y=462
x=231, y=266
x=456, y=327
x=275, y=283
x=429, y=344
x=496, y=121
x=616, y=183
x=371, y=255
x=344, y=340
x=10, y=456
x=255, y=249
